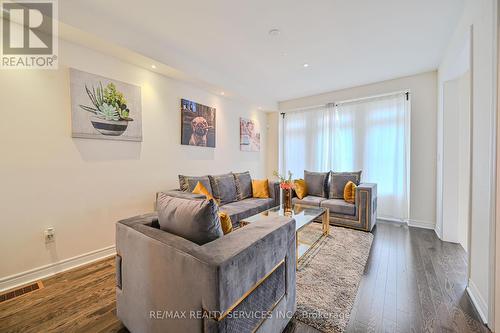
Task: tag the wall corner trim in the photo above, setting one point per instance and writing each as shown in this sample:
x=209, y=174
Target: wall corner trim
x=42, y=272
x=477, y=300
x=438, y=231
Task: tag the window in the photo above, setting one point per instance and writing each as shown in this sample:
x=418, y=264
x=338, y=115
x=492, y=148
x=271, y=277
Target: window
x=370, y=134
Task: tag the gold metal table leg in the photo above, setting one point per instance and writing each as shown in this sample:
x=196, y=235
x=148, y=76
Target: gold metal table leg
x=326, y=222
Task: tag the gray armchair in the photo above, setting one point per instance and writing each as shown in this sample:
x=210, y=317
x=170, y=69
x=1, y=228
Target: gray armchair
x=166, y=283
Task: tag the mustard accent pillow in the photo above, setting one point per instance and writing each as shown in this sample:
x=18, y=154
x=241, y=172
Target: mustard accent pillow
x=260, y=188
x=200, y=189
x=350, y=192
x=225, y=222
x=300, y=188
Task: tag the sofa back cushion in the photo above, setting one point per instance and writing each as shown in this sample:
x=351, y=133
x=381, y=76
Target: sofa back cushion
x=188, y=183
x=223, y=188
x=317, y=183
x=243, y=185
x=338, y=181
x=194, y=220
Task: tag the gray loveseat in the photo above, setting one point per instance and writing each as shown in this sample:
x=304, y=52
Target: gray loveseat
x=326, y=190
x=241, y=282
x=233, y=190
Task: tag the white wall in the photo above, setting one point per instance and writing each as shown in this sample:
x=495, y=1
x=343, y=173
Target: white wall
x=273, y=119
x=423, y=134
x=482, y=16
x=456, y=160
x=81, y=186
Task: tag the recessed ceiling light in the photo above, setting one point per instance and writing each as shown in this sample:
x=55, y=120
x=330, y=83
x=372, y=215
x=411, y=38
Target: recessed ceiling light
x=153, y=66
x=222, y=93
x=305, y=65
x=274, y=32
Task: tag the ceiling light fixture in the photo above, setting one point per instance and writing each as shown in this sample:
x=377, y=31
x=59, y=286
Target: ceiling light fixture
x=153, y=66
x=222, y=93
x=274, y=32
x=305, y=65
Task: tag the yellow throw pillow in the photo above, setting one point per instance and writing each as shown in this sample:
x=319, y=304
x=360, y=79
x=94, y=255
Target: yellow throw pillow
x=200, y=189
x=260, y=188
x=300, y=188
x=225, y=222
x=350, y=192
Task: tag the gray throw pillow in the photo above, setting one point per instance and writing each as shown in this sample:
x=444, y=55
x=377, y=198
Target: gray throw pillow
x=188, y=183
x=194, y=220
x=338, y=181
x=223, y=188
x=243, y=185
x=317, y=183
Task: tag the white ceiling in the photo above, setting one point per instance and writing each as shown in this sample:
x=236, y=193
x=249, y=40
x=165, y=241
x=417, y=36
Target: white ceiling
x=226, y=42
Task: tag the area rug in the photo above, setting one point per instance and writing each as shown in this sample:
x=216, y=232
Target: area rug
x=328, y=276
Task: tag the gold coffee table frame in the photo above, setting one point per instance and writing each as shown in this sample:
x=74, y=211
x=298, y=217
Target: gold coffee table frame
x=303, y=215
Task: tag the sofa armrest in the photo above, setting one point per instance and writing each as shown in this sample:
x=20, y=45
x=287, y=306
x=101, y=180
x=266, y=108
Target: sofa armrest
x=274, y=192
x=366, y=203
x=246, y=256
x=367, y=187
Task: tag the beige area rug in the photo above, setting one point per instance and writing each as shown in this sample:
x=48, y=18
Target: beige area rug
x=328, y=276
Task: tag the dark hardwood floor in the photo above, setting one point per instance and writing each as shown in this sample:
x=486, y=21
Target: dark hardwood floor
x=413, y=282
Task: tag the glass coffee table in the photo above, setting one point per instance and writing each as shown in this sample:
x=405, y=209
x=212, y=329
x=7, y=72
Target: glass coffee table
x=303, y=215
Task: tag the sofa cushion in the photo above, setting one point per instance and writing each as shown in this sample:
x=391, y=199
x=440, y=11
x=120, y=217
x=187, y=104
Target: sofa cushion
x=350, y=192
x=260, y=188
x=188, y=183
x=194, y=220
x=300, y=188
x=317, y=183
x=338, y=180
x=245, y=208
x=200, y=189
x=243, y=185
x=309, y=200
x=225, y=222
x=339, y=206
x=223, y=188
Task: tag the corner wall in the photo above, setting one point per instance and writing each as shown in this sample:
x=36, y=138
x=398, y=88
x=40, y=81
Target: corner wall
x=482, y=16
x=82, y=186
x=423, y=89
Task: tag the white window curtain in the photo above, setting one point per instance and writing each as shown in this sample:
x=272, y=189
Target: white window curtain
x=371, y=135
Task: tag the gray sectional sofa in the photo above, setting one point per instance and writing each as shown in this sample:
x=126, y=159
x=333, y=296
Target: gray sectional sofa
x=233, y=190
x=325, y=189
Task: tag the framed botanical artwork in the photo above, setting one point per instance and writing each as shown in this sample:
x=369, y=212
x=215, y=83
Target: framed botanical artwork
x=103, y=108
x=249, y=135
x=198, y=124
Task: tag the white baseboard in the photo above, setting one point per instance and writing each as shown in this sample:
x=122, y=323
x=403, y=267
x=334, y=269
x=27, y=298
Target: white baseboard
x=421, y=224
x=42, y=272
x=477, y=301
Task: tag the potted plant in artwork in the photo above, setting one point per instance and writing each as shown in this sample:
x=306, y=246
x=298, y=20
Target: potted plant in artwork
x=109, y=109
x=286, y=185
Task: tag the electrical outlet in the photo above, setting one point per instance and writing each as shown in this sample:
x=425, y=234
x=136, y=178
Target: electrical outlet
x=50, y=234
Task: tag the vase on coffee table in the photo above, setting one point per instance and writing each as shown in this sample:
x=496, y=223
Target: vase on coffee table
x=287, y=201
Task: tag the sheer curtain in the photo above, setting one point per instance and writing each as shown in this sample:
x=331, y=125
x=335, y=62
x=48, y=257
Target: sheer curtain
x=370, y=135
